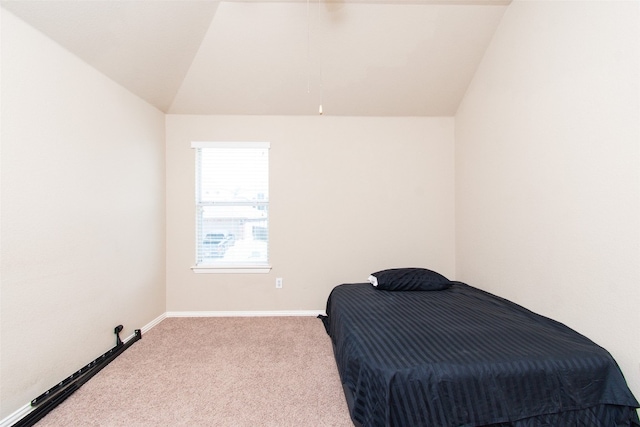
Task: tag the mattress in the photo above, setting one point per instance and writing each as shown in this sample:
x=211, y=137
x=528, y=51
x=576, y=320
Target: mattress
x=464, y=357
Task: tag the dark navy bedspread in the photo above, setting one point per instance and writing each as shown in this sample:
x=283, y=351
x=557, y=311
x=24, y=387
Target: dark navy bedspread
x=464, y=357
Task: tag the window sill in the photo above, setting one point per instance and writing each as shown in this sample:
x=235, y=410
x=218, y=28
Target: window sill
x=231, y=269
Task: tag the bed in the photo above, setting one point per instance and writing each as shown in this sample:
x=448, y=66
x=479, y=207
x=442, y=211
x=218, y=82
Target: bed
x=454, y=355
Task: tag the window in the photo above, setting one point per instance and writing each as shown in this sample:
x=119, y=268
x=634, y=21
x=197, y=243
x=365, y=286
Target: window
x=232, y=206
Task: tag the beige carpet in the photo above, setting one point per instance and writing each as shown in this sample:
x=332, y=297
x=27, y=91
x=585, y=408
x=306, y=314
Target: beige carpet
x=260, y=371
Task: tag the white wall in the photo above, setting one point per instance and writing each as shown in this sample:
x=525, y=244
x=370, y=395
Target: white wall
x=349, y=196
x=547, y=188
x=82, y=213
x=548, y=169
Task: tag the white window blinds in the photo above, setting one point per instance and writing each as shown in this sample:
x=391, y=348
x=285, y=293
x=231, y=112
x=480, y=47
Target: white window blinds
x=232, y=204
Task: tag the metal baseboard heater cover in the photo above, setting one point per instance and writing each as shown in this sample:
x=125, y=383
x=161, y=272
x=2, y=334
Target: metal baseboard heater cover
x=57, y=394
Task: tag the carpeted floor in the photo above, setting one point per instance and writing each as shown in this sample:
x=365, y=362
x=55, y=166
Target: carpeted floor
x=244, y=371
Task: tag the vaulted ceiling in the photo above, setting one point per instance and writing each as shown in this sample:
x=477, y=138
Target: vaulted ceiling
x=288, y=57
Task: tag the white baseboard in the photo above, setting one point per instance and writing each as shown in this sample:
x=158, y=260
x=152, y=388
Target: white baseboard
x=16, y=416
x=146, y=327
x=26, y=409
x=153, y=323
x=276, y=313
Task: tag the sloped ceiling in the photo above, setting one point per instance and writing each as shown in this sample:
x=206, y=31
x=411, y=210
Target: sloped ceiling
x=353, y=57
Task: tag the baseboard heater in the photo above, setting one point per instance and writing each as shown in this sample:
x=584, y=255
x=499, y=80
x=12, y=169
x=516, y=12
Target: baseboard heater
x=57, y=394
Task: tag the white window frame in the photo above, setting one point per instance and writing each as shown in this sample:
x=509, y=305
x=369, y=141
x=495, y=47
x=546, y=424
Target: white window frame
x=229, y=267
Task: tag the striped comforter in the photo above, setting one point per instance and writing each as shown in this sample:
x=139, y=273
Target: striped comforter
x=464, y=357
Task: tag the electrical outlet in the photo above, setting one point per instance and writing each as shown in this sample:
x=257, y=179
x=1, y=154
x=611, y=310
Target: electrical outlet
x=279, y=283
